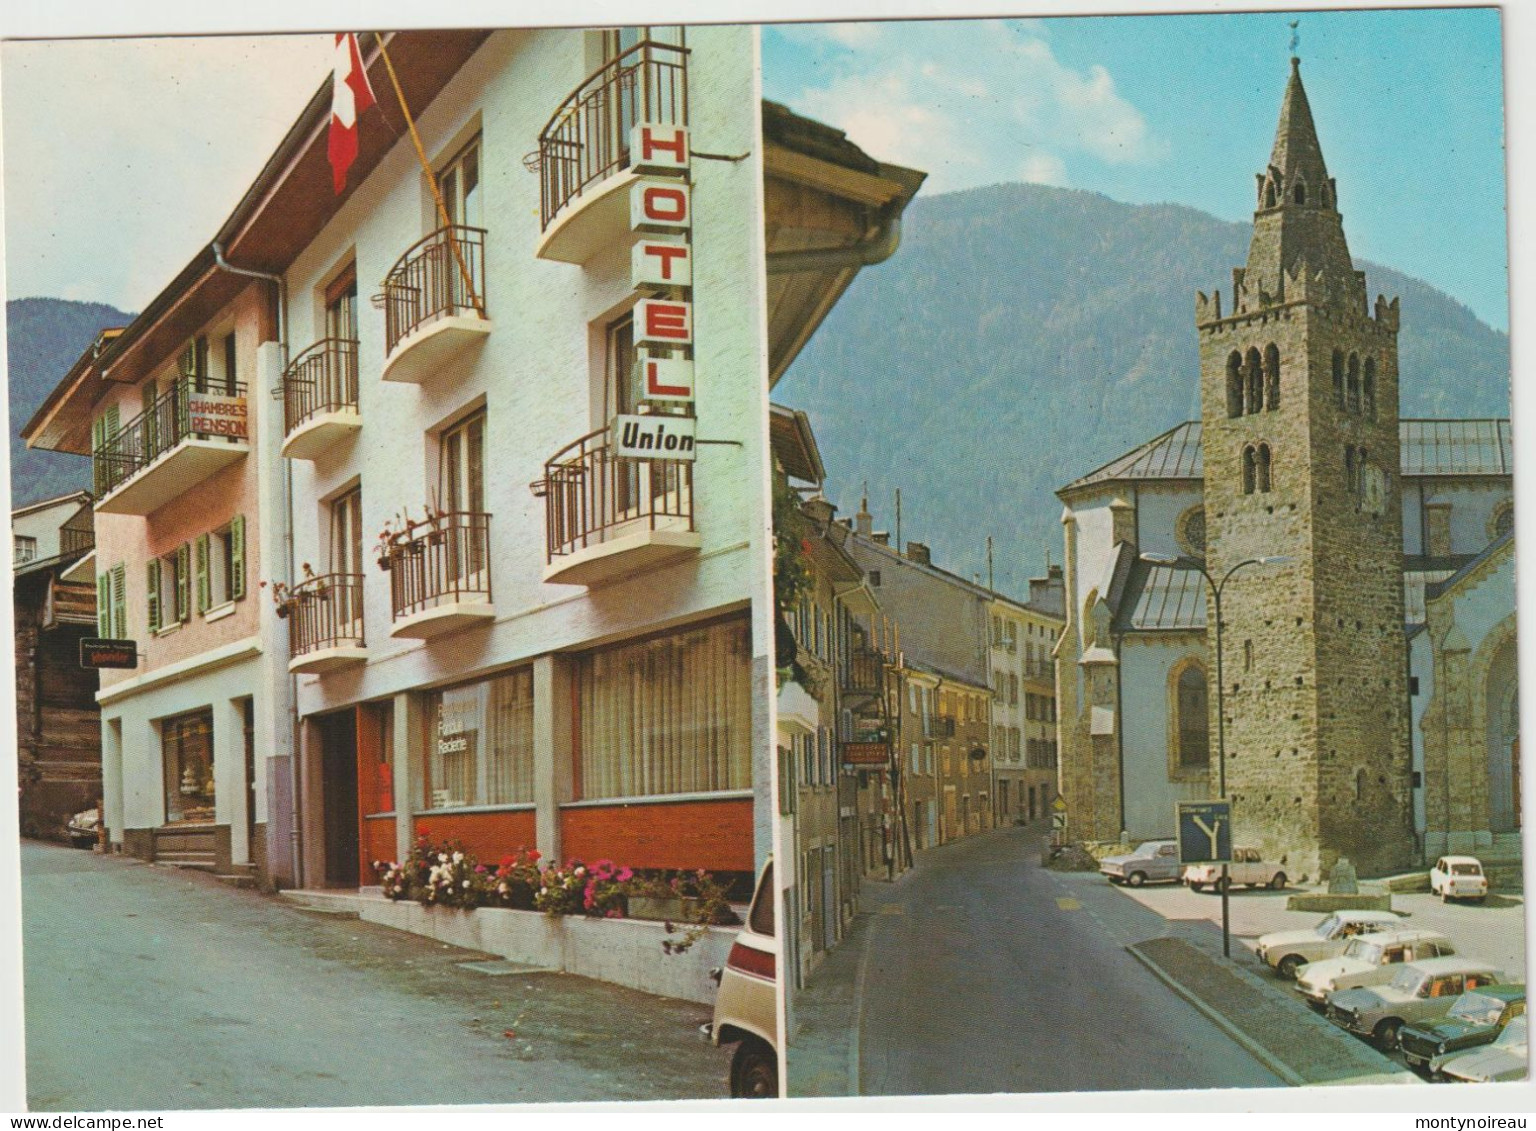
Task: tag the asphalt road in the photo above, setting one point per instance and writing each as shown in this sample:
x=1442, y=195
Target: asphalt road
x=987, y=973
x=152, y=989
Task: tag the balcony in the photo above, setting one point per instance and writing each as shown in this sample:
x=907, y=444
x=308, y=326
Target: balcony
x=606, y=516
x=1040, y=671
x=440, y=575
x=434, y=303
x=325, y=623
x=865, y=675
x=320, y=398
x=939, y=726
x=185, y=436
x=584, y=201
x=78, y=534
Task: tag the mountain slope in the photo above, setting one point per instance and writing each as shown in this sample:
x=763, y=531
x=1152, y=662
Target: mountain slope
x=1023, y=335
x=44, y=337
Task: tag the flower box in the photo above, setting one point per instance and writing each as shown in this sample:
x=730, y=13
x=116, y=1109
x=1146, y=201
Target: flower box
x=662, y=909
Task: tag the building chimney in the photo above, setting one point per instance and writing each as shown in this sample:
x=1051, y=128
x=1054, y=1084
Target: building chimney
x=918, y=552
x=864, y=522
x=818, y=509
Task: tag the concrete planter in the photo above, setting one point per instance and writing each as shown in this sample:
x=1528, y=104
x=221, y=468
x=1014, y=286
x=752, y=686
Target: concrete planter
x=626, y=952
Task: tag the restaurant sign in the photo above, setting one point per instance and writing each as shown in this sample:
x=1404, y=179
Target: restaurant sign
x=866, y=755
x=98, y=654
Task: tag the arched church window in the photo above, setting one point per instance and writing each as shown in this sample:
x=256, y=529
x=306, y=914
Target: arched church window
x=1192, y=710
x=1352, y=383
x=1235, y=384
x=1254, y=401
x=1262, y=461
x=1250, y=469
x=1301, y=192
x=1271, y=377
x=1338, y=378
x=1369, y=388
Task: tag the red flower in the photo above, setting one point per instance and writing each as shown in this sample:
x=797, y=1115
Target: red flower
x=805, y=546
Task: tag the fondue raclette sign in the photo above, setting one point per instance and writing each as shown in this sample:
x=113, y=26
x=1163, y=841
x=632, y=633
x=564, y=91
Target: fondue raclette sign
x=661, y=270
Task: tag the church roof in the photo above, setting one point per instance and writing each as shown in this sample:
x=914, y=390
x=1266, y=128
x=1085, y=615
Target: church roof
x=1161, y=597
x=1429, y=447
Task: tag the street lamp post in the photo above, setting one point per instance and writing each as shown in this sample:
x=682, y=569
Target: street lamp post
x=1221, y=713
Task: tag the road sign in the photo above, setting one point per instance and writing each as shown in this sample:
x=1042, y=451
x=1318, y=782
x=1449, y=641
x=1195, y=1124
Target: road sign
x=96, y=654
x=1058, y=820
x=1060, y=804
x=1205, y=832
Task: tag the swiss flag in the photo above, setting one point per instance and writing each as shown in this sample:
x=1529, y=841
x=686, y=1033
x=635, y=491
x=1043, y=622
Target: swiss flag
x=350, y=96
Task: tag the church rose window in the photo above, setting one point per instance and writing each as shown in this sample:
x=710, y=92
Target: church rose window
x=1189, y=531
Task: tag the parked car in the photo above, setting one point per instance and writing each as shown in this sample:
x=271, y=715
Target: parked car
x=1150, y=860
x=83, y=827
x=1287, y=951
x=1369, y=960
x=1420, y=993
x=1505, y=1059
x=1477, y=1018
x=746, y=1008
x=1248, y=868
x=1458, y=877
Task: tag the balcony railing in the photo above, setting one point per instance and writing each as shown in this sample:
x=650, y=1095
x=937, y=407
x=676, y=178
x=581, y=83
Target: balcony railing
x=166, y=423
x=939, y=726
x=587, y=139
x=442, y=561
x=1044, y=670
x=322, y=379
x=325, y=612
x=78, y=534
x=866, y=673
x=438, y=276
x=590, y=493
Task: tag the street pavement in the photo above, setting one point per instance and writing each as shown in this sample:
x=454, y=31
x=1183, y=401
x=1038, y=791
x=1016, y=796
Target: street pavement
x=983, y=972
x=153, y=989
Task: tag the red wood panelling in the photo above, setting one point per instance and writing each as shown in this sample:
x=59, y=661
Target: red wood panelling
x=715, y=835
x=486, y=836
x=378, y=843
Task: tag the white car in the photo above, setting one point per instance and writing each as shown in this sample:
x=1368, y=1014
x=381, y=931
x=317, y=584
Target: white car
x=1505, y=1059
x=1288, y=951
x=1458, y=877
x=1248, y=868
x=1369, y=960
x=746, y=1008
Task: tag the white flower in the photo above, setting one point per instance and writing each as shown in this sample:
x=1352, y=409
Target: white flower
x=466, y=883
x=441, y=858
x=458, y=858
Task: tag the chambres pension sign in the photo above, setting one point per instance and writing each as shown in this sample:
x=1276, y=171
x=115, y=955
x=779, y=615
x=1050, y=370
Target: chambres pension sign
x=661, y=271
x=213, y=414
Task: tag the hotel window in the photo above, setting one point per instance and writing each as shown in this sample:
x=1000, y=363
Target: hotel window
x=671, y=714
x=347, y=532
x=480, y=745
x=112, y=603
x=170, y=588
x=459, y=184
x=186, y=744
x=220, y=561
x=462, y=491
x=23, y=549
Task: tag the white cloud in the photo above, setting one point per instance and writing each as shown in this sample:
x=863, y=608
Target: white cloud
x=122, y=157
x=977, y=101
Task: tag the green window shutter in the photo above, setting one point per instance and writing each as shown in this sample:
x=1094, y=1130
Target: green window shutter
x=154, y=595
x=104, y=605
x=184, y=581
x=120, y=601
x=237, y=558
x=203, y=600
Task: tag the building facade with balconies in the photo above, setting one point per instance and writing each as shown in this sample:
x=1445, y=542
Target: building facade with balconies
x=1022, y=634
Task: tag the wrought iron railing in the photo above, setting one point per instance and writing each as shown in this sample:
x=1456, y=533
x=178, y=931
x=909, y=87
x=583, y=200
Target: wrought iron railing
x=440, y=561
x=587, y=139
x=325, y=612
x=865, y=674
x=78, y=534
x=444, y=273
x=589, y=491
x=159, y=428
x=321, y=379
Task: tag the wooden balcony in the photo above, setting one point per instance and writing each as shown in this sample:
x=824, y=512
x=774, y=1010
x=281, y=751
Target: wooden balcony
x=184, y=437
x=434, y=303
x=584, y=157
x=320, y=398
x=440, y=575
x=607, y=516
x=325, y=623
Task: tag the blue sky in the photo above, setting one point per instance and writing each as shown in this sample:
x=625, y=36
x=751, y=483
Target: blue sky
x=1408, y=105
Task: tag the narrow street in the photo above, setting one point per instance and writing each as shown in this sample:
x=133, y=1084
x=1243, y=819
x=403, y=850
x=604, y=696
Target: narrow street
x=988, y=973
x=152, y=989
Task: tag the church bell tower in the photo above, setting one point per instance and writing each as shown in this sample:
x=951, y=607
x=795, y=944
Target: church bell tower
x=1299, y=408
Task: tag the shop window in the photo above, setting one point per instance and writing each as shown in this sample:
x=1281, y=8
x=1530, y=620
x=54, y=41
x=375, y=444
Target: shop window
x=186, y=744
x=480, y=745
x=671, y=714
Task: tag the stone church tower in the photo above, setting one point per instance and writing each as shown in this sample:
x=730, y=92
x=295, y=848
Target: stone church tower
x=1298, y=382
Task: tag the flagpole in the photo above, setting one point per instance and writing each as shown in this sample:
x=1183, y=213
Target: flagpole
x=421, y=155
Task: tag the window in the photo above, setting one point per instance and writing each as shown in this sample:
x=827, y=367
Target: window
x=23, y=549
x=874, y=579
x=671, y=714
x=347, y=533
x=220, y=564
x=1250, y=470
x=1368, y=390
x=1272, y=376
x=186, y=744
x=1262, y=462
x=1235, y=384
x=1193, y=719
x=458, y=182
x=462, y=491
x=112, y=603
x=1352, y=384
x=1253, y=398
x=341, y=306
x=170, y=589
x=1338, y=379
x=480, y=743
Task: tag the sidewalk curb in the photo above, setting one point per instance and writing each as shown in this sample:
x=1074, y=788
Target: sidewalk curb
x=1252, y=1047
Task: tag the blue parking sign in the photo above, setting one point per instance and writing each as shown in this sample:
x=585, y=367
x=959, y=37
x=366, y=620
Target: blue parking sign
x=1205, y=832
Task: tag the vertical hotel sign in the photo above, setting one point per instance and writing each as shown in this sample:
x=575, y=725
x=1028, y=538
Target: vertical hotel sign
x=661, y=270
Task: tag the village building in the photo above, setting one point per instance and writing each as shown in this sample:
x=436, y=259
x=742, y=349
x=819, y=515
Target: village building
x=53, y=603
x=1365, y=571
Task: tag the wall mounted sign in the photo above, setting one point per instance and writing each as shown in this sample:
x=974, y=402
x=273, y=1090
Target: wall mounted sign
x=99, y=654
x=661, y=269
x=653, y=437
x=214, y=415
